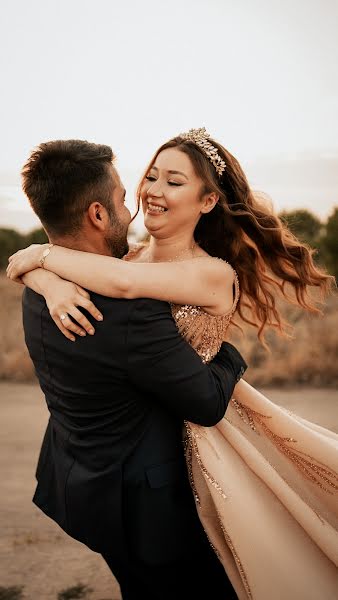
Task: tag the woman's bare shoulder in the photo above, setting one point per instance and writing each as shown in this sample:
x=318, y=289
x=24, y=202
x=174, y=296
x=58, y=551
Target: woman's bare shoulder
x=217, y=269
x=219, y=277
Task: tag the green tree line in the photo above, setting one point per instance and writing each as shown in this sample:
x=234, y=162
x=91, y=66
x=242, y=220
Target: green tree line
x=323, y=237
x=11, y=241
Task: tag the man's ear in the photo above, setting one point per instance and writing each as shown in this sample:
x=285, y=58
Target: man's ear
x=208, y=202
x=98, y=216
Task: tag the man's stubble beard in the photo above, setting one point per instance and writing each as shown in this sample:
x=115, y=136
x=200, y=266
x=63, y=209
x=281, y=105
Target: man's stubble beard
x=116, y=239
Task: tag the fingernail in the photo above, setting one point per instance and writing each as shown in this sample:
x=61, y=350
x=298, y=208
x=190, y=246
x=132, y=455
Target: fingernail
x=91, y=331
x=99, y=317
x=82, y=333
x=72, y=339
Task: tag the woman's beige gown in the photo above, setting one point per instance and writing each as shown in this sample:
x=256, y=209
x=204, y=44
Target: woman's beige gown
x=265, y=484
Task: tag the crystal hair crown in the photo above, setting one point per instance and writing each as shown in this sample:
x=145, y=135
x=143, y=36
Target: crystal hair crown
x=200, y=137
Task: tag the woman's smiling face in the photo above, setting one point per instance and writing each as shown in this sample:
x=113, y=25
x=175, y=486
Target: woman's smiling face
x=171, y=194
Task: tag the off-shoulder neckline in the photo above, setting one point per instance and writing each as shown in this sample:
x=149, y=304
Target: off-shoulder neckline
x=137, y=247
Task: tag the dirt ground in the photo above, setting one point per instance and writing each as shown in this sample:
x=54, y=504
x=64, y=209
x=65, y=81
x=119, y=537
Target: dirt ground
x=34, y=552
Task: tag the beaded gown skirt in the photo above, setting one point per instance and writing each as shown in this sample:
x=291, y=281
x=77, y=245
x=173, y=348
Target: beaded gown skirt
x=266, y=486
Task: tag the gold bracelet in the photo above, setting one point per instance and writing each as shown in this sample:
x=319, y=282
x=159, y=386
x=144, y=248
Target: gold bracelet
x=44, y=256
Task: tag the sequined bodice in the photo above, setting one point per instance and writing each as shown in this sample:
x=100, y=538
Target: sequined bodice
x=204, y=332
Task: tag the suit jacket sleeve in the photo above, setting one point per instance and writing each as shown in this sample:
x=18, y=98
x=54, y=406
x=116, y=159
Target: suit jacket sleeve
x=162, y=364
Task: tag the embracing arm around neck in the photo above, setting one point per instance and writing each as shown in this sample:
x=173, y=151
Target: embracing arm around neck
x=205, y=282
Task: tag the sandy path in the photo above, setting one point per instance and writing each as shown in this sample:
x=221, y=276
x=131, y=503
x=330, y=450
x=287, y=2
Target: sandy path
x=34, y=551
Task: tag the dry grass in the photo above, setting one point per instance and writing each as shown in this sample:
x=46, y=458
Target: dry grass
x=15, y=363
x=311, y=357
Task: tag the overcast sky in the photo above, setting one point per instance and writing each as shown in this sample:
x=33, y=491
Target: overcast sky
x=260, y=75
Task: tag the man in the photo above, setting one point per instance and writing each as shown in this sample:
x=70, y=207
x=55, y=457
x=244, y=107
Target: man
x=111, y=470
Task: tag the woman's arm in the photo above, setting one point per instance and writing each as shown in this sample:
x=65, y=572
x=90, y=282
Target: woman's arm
x=39, y=280
x=202, y=282
x=63, y=297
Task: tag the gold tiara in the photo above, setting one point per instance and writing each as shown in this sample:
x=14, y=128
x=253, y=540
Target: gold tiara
x=200, y=137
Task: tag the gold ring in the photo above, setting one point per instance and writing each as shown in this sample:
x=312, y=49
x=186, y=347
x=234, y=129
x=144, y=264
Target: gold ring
x=63, y=317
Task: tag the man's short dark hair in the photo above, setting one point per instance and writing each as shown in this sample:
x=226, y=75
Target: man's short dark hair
x=63, y=177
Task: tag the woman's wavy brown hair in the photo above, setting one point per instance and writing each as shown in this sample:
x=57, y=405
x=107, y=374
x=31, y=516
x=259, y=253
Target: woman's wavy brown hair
x=242, y=230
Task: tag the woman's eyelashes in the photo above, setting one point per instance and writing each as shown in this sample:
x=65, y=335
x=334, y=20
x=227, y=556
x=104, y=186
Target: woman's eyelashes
x=152, y=178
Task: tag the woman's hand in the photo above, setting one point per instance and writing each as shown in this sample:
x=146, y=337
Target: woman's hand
x=63, y=299
x=25, y=260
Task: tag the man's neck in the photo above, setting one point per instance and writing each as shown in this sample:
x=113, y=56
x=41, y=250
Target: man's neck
x=84, y=245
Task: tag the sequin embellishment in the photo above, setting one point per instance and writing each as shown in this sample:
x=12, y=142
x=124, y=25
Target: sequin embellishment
x=313, y=470
x=192, y=446
x=204, y=332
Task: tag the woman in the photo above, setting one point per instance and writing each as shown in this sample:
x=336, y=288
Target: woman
x=265, y=481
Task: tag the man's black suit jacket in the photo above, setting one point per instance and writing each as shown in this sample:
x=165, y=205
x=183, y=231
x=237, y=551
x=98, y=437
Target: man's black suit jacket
x=111, y=470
